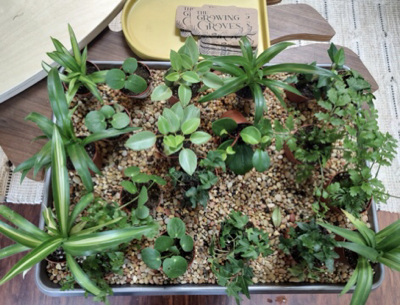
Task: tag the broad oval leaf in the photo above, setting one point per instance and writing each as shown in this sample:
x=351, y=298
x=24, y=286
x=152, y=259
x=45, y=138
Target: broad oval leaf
x=200, y=137
x=131, y=171
x=95, y=121
x=163, y=243
x=163, y=125
x=142, y=212
x=185, y=94
x=143, y=196
x=175, y=266
x=251, y=135
x=186, y=243
x=129, y=187
x=141, y=140
x=172, y=77
x=176, y=60
x=261, y=160
x=120, y=120
x=115, y=79
x=191, y=77
x=173, y=120
x=188, y=161
x=190, y=126
x=224, y=126
x=108, y=111
x=152, y=258
x=176, y=228
x=212, y=80
x=130, y=65
x=277, y=217
x=136, y=84
x=160, y=93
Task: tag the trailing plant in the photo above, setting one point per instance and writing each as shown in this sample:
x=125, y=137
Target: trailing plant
x=126, y=78
x=310, y=247
x=251, y=71
x=371, y=247
x=74, y=146
x=177, y=126
x=140, y=213
x=245, y=146
x=185, y=71
x=62, y=231
x=75, y=68
x=198, y=185
x=99, y=120
x=171, y=250
x=238, y=242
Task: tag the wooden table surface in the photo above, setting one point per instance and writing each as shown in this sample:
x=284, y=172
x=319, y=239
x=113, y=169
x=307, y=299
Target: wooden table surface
x=15, y=137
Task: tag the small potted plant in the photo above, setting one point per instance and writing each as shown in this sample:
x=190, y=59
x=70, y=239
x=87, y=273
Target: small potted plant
x=183, y=79
x=133, y=79
x=195, y=187
x=142, y=199
x=178, y=127
x=81, y=152
x=238, y=243
x=240, y=140
x=371, y=247
x=311, y=247
x=81, y=76
x=174, y=250
x=248, y=71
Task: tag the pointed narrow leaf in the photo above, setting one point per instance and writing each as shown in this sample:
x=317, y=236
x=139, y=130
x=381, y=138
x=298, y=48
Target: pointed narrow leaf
x=45, y=125
x=105, y=134
x=200, y=137
x=79, y=162
x=298, y=68
x=259, y=101
x=350, y=283
x=184, y=94
x=11, y=250
x=364, y=282
x=33, y=257
x=190, y=126
x=350, y=235
x=96, y=228
x=19, y=236
x=271, y=52
x=75, y=46
x=362, y=250
x=79, y=207
x=230, y=87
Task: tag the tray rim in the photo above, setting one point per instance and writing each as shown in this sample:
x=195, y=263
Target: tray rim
x=191, y=289
x=124, y=21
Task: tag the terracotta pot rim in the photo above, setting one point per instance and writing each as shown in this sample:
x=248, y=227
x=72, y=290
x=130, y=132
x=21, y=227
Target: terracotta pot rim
x=240, y=119
x=295, y=98
x=148, y=85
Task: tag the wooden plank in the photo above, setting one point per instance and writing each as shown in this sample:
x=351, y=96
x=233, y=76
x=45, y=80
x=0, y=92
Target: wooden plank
x=25, y=30
x=297, y=21
x=318, y=52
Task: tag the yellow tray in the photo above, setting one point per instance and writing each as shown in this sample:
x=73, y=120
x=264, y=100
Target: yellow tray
x=149, y=25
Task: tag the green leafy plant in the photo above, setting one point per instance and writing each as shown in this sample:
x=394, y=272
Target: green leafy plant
x=63, y=231
x=310, y=247
x=138, y=199
x=371, y=247
x=197, y=186
x=75, y=68
x=177, y=126
x=238, y=242
x=250, y=71
x=74, y=146
x=238, y=148
x=172, y=250
x=126, y=78
x=185, y=72
x=99, y=120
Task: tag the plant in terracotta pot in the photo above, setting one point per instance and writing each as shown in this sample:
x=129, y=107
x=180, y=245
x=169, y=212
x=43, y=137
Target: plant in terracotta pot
x=238, y=243
x=63, y=231
x=382, y=247
x=173, y=251
x=183, y=79
x=133, y=79
x=81, y=75
x=140, y=194
x=245, y=144
x=195, y=187
x=81, y=152
x=250, y=72
x=311, y=247
x=178, y=127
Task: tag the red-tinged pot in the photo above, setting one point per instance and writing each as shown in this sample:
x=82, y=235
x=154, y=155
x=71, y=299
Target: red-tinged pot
x=237, y=116
x=152, y=208
x=146, y=92
x=87, y=93
x=295, y=98
x=334, y=208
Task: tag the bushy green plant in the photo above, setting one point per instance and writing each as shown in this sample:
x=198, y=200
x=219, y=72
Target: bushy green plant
x=201, y=181
x=99, y=120
x=170, y=250
x=310, y=247
x=250, y=71
x=74, y=146
x=126, y=78
x=177, y=126
x=75, y=67
x=184, y=72
x=238, y=242
x=62, y=231
x=246, y=146
x=140, y=214
x=371, y=247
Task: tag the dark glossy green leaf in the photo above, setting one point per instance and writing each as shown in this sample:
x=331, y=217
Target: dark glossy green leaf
x=163, y=243
x=186, y=243
x=176, y=228
x=175, y=266
x=152, y=258
x=130, y=65
x=271, y=52
x=242, y=161
x=79, y=207
x=230, y=87
x=45, y=125
x=261, y=160
x=75, y=153
x=224, y=126
x=115, y=79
